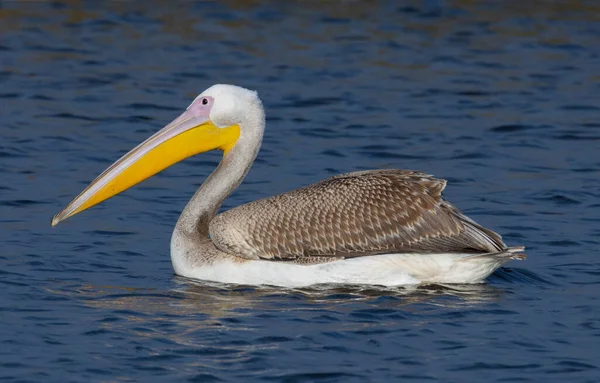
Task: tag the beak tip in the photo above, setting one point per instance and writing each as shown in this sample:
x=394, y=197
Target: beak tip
x=55, y=221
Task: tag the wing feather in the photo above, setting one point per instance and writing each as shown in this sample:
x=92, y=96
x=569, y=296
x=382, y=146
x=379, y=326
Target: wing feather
x=352, y=215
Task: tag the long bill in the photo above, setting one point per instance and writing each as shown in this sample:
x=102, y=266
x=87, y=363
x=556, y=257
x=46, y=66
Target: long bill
x=187, y=135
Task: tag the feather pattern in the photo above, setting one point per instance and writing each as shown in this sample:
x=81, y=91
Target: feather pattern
x=352, y=215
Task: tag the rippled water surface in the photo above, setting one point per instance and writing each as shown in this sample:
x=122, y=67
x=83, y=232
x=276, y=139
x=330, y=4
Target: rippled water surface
x=501, y=99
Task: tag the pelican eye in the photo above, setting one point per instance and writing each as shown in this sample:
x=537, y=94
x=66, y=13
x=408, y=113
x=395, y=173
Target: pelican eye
x=204, y=101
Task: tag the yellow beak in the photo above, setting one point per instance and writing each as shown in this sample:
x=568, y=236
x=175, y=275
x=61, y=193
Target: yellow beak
x=189, y=134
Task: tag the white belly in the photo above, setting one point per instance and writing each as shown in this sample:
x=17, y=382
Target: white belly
x=384, y=269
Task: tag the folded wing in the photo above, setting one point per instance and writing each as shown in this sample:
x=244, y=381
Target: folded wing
x=352, y=215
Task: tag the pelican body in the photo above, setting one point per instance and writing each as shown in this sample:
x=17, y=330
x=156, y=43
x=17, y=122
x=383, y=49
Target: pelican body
x=385, y=227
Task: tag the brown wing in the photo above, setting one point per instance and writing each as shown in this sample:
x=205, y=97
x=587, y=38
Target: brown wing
x=351, y=215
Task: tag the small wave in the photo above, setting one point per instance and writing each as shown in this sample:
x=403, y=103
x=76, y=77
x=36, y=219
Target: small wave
x=517, y=128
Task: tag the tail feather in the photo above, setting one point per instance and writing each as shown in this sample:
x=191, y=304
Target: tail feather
x=516, y=252
x=513, y=252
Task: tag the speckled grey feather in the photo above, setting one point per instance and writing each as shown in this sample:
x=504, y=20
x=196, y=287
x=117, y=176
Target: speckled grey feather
x=351, y=215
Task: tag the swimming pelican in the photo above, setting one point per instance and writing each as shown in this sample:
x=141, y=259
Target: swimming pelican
x=385, y=227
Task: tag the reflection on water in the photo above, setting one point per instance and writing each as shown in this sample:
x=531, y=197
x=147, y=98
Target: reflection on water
x=216, y=301
x=227, y=297
x=196, y=315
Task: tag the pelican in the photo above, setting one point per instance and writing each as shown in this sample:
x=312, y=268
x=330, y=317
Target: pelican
x=384, y=227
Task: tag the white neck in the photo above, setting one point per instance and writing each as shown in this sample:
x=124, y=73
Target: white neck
x=232, y=169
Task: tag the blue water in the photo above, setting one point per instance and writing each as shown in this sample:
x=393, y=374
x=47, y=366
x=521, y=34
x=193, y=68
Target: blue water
x=499, y=98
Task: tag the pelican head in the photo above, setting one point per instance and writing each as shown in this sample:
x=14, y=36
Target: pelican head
x=212, y=121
